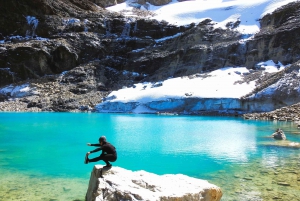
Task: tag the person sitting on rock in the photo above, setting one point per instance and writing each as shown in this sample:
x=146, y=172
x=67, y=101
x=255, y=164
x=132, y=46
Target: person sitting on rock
x=109, y=153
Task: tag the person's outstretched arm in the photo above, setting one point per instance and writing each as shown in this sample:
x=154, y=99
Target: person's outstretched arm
x=95, y=145
x=95, y=150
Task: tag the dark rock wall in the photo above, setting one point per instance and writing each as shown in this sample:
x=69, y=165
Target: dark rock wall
x=13, y=13
x=200, y=48
x=73, y=34
x=279, y=38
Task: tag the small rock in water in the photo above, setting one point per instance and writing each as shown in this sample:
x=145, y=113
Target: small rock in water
x=292, y=171
x=283, y=184
x=66, y=189
x=279, y=135
x=264, y=172
x=13, y=189
x=247, y=178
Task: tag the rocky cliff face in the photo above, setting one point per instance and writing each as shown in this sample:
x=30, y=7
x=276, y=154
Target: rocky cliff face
x=201, y=48
x=276, y=90
x=278, y=38
x=81, y=50
x=67, y=35
x=121, y=184
x=42, y=39
x=106, y=3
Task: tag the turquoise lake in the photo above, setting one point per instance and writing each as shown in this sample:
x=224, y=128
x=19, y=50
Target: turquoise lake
x=42, y=154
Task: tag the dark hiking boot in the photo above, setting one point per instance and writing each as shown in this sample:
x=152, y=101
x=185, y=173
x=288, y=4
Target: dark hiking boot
x=108, y=166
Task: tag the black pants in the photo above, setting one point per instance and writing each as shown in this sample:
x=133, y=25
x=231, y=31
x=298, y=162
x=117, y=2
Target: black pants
x=105, y=157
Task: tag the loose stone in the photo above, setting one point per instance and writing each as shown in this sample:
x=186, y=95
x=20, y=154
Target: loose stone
x=283, y=184
x=264, y=172
x=247, y=178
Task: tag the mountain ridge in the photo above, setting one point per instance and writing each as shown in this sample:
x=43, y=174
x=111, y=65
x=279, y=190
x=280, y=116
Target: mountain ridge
x=84, y=51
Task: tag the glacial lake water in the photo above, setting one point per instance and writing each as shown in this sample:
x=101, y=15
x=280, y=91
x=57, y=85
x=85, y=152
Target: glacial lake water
x=41, y=154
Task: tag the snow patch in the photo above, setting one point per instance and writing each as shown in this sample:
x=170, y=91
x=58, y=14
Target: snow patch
x=71, y=21
x=270, y=66
x=218, y=90
x=167, y=38
x=18, y=91
x=220, y=11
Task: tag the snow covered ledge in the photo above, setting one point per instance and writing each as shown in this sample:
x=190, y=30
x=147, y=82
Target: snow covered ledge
x=121, y=184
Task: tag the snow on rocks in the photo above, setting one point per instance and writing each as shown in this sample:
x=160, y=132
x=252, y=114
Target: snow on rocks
x=121, y=184
x=19, y=91
x=222, y=12
x=219, y=90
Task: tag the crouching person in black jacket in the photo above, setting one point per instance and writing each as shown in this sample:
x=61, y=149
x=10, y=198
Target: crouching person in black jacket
x=109, y=153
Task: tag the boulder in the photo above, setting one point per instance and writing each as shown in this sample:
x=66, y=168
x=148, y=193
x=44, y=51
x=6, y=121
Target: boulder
x=107, y=3
x=159, y=2
x=121, y=184
x=279, y=135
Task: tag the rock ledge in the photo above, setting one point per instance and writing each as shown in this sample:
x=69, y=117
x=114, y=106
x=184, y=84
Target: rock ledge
x=121, y=184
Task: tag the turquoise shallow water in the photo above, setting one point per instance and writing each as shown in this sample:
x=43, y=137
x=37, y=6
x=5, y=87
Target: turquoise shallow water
x=45, y=151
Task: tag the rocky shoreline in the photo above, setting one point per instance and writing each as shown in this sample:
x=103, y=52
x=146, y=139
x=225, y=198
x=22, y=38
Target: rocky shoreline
x=87, y=103
x=51, y=95
x=290, y=113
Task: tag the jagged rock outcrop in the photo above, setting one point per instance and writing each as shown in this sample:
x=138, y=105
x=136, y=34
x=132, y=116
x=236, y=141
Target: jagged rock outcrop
x=291, y=113
x=279, y=135
x=107, y=3
x=48, y=14
x=278, y=38
x=44, y=39
x=120, y=184
x=274, y=92
x=199, y=49
x=60, y=36
x=75, y=90
x=204, y=48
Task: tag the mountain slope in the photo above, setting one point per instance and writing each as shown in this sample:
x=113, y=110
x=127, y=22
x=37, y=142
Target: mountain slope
x=67, y=56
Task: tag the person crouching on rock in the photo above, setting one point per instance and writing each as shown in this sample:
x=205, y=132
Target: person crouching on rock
x=109, y=153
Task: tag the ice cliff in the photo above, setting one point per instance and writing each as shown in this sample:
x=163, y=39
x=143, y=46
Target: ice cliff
x=220, y=91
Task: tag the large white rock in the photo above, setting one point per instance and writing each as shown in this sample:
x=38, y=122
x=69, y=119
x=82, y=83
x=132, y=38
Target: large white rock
x=121, y=184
